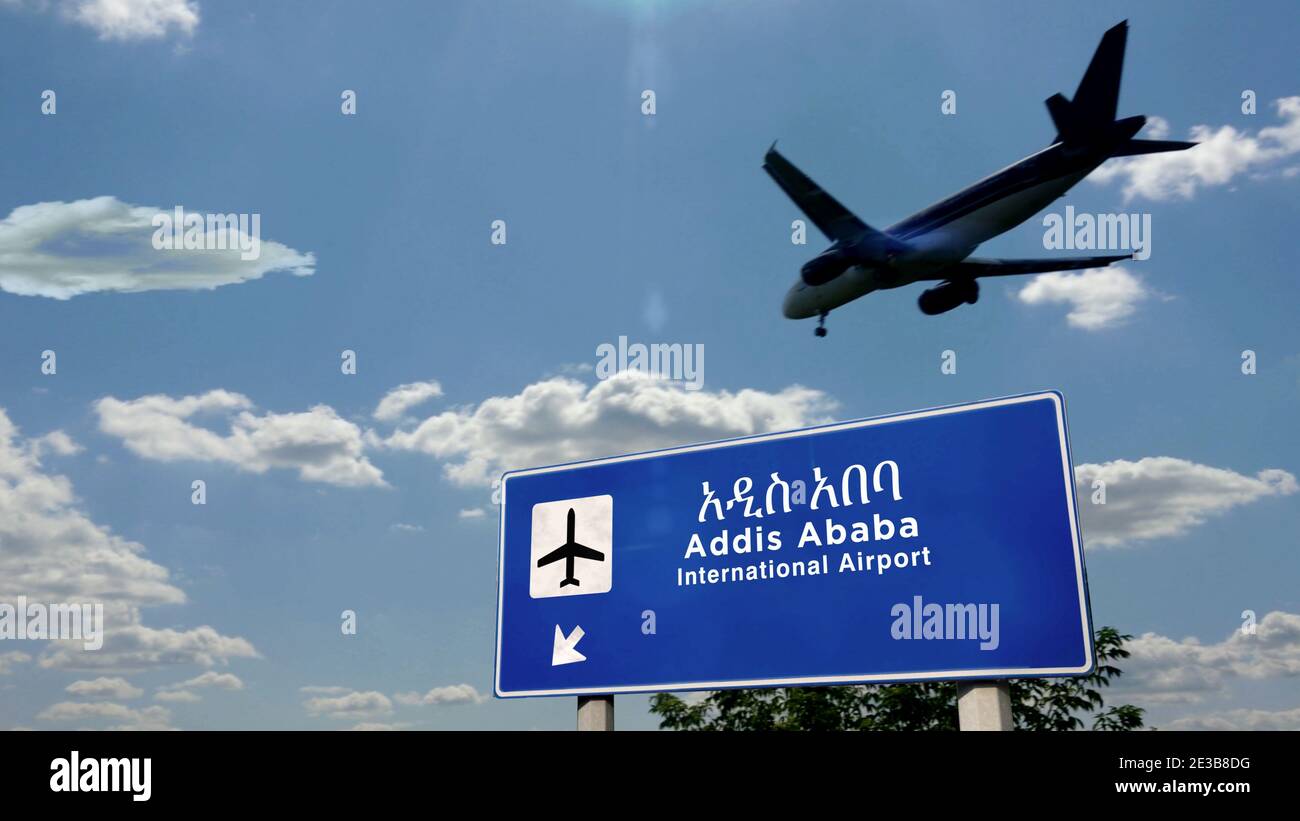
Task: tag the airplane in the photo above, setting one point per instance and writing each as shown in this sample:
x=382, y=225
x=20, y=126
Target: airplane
x=569, y=551
x=936, y=243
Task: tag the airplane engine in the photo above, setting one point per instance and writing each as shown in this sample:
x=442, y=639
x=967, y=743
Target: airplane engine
x=947, y=296
x=825, y=267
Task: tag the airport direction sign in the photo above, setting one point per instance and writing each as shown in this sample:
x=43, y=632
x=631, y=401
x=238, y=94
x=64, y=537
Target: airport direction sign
x=936, y=544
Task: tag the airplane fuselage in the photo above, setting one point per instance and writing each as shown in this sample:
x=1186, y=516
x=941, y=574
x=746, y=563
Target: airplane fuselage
x=949, y=231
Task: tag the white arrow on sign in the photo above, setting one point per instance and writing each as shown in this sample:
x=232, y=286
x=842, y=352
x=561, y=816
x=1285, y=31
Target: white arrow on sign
x=564, y=652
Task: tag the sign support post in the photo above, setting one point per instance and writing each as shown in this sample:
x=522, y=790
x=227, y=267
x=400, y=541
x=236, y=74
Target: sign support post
x=595, y=713
x=984, y=705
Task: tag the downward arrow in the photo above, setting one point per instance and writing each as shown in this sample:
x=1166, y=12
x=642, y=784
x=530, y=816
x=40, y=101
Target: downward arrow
x=563, y=651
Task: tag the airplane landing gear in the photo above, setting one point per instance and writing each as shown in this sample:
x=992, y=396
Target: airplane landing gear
x=821, y=324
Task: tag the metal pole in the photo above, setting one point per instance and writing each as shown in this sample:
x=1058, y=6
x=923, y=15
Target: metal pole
x=984, y=705
x=595, y=713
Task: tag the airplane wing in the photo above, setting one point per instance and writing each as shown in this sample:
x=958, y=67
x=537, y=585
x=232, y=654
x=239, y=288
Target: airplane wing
x=584, y=552
x=975, y=267
x=835, y=221
x=554, y=556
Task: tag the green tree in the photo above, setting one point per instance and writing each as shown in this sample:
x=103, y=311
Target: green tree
x=1036, y=703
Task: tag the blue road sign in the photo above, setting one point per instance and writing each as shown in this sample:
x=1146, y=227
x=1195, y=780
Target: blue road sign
x=939, y=544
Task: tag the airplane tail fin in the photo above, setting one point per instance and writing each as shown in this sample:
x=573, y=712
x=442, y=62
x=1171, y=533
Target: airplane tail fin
x=1096, y=100
x=1097, y=97
x=1089, y=119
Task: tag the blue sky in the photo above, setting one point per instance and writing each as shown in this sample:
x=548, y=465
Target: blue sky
x=660, y=228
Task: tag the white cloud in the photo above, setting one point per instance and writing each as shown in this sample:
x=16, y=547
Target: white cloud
x=1157, y=128
x=56, y=442
x=146, y=718
x=134, y=19
x=183, y=691
x=379, y=726
x=472, y=513
x=1240, y=720
x=404, y=397
x=317, y=690
x=1165, y=670
x=122, y=19
x=1098, y=297
x=54, y=553
x=136, y=647
x=351, y=705
x=561, y=420
x=11, y=659
x=63, y=249
x=402, y=527
x=318, y=443
x=1160, y=496
x=1223, y=154
x=211, y=678
x=451, y=694
x=118, y=689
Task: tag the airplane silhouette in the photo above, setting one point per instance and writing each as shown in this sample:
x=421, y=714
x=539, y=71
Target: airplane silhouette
x=568, y=551
x=935, y=245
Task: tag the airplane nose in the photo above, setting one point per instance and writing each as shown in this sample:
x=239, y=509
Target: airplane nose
x=794, y=305
x=787, y=305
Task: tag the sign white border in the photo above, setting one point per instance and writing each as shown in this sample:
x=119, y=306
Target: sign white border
x=1085, y=616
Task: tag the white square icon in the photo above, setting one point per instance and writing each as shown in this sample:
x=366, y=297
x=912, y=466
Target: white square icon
x=572, y=547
